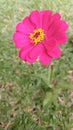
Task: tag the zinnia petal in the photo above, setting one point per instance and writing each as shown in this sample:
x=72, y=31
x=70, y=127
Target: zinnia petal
x=35, y=18
x=52, y=49
x=61, y=37
x=26, y=26
x=35, y=52
x=63, y=25
x=45, y=17
x=57, y=31
x=50, y=45
x=20, y=40
x=57, y=16
x=30, y=53
x=55, y=53
x=24, y=52
x=44, y=58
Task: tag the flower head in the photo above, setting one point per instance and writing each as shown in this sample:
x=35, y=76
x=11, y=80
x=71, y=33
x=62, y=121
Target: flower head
x=39, y=36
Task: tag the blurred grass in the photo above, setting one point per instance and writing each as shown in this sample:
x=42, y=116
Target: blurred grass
x=21, y=94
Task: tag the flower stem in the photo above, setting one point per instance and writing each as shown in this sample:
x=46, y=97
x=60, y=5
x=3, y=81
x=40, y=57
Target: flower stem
x=51, y=72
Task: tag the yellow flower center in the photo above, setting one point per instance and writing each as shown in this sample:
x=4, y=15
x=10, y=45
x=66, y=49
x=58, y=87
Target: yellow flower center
x=37, y=36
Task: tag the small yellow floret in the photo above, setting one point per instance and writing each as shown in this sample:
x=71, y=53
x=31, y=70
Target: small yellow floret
x=37, y=35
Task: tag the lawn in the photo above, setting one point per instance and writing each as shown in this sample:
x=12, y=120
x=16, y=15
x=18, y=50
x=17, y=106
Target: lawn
x=22, y=93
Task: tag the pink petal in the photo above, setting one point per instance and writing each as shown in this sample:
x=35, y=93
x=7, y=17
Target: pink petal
x=30, y=53
x=50, y=44
x=21, y=43
x=35, y=18
x=24, y=52
x=21, y=40
x=29, y=60
x=20, y=27
x=36, y=50
x=25, y=26
x=52, y=49
x=55, y=53
x=63, y=25
x=51, y=22
x=53, y=28
x=56, y=25
x=57, y=31
x=61, y=37
x=57, y=16
x=44, y=58
x=46, y=18
x=18, y=35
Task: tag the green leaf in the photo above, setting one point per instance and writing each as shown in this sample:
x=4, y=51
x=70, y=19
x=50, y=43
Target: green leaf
x=64, y=85
x=47, y=99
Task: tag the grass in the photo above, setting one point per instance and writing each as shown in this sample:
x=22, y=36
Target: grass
x=22, y=94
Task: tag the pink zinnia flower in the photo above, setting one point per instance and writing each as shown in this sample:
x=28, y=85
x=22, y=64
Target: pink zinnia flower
x=39, y=36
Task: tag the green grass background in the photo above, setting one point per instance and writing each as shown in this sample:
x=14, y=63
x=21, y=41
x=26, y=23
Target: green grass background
x=21, y=93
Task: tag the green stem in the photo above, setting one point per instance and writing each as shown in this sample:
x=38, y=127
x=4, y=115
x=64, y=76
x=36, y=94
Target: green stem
x=51, y=72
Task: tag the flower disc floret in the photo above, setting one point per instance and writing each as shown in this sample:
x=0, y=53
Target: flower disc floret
x=37, y=36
